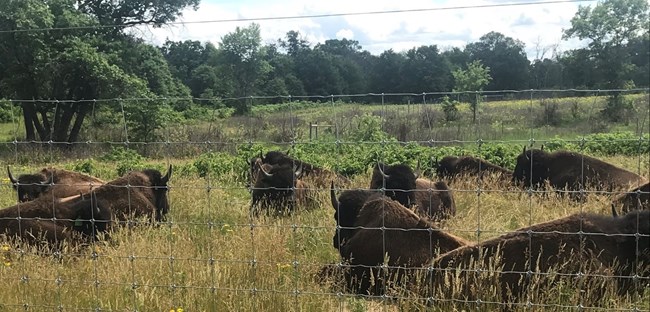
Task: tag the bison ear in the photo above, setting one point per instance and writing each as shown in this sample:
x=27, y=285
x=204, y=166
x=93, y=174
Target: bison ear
x=614, y=213
x=541, y=148
x=261, y=155
x=11, y=176
x=165, y=179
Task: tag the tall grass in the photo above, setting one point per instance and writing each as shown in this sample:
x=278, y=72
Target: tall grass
x=211, y=256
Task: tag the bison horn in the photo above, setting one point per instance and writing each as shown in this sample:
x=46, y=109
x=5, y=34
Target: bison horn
x=11, y=176
x=380, y=167
x=335, y=202
x=165, y=179
x=261, y=156
x=268, y=175
x=541, y=148
x=298, y=171
x=417, y=170
x=50, y=179
x=614, y=213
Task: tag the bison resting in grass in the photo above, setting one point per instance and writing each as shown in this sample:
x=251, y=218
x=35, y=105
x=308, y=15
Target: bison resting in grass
x=57, y=183
x=387, y=233
x=596, y=248
x=637, y=198
x=401, y=183
x=43, y=220
x=311, y=174
x=278, y=189
x=450, y=167
x=346, y=209
x=571, y=171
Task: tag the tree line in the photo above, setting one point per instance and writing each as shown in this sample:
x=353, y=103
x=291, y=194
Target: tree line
x=83, y=52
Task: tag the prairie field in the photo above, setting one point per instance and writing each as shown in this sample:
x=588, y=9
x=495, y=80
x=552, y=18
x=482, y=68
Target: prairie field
x=211, y=255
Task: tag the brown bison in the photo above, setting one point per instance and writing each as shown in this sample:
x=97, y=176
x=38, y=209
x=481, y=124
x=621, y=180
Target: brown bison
x=57, y=183
x=387, y=233
x=401, y=183
x=535, y=256
x=570, y=171
x=278, y=189
x=136, y=194
x=312, y=174
x=637, y=198
x=74, y=220
x=450, y=167
x=346, y=209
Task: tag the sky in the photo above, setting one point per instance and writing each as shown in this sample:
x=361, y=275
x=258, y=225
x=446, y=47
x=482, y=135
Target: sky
x=538, y=26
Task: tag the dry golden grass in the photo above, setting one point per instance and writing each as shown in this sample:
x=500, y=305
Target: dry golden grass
x=211, y=256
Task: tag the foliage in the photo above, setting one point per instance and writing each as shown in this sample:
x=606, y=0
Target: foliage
x=474, y=78
x=450, y=108
x=506, y=59
x=126, y=159
x=217, y=164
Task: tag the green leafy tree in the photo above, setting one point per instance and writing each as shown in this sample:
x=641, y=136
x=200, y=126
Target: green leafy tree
x=243, y=57
x=610, y=26
x=426, y=70
x=506, y=58
x=472, y=79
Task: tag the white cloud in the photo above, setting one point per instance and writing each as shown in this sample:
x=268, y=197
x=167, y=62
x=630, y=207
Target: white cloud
x=345, y=34
x=535, y=25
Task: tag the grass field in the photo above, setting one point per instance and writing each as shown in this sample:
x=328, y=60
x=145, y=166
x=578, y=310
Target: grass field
x=211, y=256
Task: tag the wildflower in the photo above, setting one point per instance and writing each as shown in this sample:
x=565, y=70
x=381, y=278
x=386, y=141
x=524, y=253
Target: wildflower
x=6, y=247
x=7, y=263
x=179, y=310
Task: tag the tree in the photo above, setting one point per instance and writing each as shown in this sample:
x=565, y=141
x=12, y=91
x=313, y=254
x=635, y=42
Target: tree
x=506, y=58
x=79, y=62
x=473, y=79
x=609, y=27
x=386, y=74
x=242, y=53
x=426, y=70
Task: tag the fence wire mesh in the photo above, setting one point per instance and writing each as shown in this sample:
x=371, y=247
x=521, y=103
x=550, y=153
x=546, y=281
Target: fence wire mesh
x=372, y=213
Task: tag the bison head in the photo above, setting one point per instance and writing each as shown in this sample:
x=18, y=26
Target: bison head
x=346, y=209
x=30, y=186
x=160, y=189
x=274, y=184
x=531, y=168
x=398, y=181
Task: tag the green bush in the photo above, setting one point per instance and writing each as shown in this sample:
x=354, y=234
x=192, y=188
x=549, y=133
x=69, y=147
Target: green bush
x=126, y=159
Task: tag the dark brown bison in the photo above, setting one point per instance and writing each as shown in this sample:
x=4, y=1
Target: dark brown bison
x=277, y=189
x=401, y=183
x=450, y=167
x=311, y=174
x=637, y=198
x=346, y=209
x=57, y=183
x=571, y=171
x=387, y=233
x=136, y=194
x=74, y=220
x=510, y=265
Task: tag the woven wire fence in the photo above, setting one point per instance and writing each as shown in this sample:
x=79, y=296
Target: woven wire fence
x=214, y=247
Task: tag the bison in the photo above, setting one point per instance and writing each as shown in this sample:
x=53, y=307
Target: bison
x=310, y=173
x=401, y=183
x=535, y=256
x=57, y=183
x=277, y=189
x=637, y=198
x=136, y=194
x=346, y=209
x=450, y=167
x=570, y=171
x=74, y=220
x=387, y=233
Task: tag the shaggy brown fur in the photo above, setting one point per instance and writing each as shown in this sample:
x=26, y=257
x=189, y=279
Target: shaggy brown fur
x=346, y=209
x=136, y=194
x=53, y=221
x=388, y=230
x=52, y=182
x=434, y=199
x=570, y=170
x=278, y=189
x=607, y=244
x=637, y=198
x=451, y=166
x=397, y=181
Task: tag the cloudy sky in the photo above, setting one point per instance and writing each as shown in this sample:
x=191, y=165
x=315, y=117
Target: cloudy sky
x=539, y=26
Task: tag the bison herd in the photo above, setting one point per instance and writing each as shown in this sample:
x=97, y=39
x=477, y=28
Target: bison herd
x=388, y=235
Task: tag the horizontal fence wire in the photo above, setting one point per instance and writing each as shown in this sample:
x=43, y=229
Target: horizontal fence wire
x=209, y=234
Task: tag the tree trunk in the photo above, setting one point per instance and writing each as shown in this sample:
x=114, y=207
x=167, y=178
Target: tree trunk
x=30, y=134
x=79, y=120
